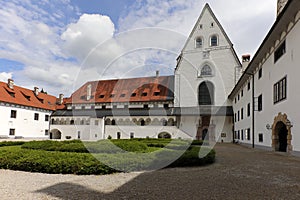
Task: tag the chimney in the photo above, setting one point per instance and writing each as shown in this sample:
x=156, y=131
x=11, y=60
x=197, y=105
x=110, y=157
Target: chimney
x=157, y=73
x=60, y=99
x=10, y=83
x=280, y=6
x=36, y=91
x=89, y=92
x=245, y=62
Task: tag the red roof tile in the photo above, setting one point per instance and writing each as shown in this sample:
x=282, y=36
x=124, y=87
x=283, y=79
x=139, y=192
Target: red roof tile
x=26, y=97
x=148, y=89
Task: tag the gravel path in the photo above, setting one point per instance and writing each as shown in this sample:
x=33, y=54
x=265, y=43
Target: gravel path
x=239, y=173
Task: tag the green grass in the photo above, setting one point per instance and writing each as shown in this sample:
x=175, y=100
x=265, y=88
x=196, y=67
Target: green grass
x=74, y=157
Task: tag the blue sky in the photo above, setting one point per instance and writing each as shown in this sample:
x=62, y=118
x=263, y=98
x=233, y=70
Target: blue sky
x=58, y=45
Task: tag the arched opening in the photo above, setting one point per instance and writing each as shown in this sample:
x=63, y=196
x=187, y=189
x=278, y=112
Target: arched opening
x=281, y=133
x=165, y=135
x=113, y=122
x=206, y=71
x=55, y=134
x=206, y=93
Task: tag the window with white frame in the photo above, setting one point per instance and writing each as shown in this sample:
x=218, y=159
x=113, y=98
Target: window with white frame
x=280, y=90
x=214, y=41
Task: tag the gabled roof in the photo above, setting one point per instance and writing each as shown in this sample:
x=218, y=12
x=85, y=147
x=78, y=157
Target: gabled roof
x=207, y=7
x=147, y=89
x=25, y=97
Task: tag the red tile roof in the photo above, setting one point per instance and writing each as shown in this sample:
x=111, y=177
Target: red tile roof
x=148, y=89
x=26, y=97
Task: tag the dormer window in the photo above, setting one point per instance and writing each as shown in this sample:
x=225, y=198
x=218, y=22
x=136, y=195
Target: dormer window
x=101, y=96
x=122, y=95
x=199, y=42
x=214, y=41
x=112, y=95
x=133, y=94
x=144, y=94
x=156, y=93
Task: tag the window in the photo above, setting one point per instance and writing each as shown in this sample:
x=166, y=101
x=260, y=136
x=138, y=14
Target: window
x=242, y=134
x=46, y=132
x=72, y=122
x=12, y=131
x=142, y=122
x=260, y=73
x=239, y=135
x=247, y=134
x=280, y=90
x=248, y=110
x=131, y=135
x=118, y=135
x=113, y=122
x=101, y=96
x=156, y=93
x=115, y=106
x=103, y=107
x=238, y=116
x=242, y=113
x=238, y=97
x=206, y=71
x=249, y=85
x=212, y=25
x=36, y=116
x=112, y=95
x=82, y=107
x=242, y=93
x=198, y=42
x=146, y=106
x=235, y=117
x=260, y=137
x=206, y=93
x=122, y=95
x=260, y=103
x=133, y=94
x=201, y=26
x=166, y=105
x=280, y=51
x=235, y=100
x=13, y=114
x=214, y=41
x=46, y=118
x=82, y=122
x=96, y=122
x=144, y=94
x=78, y=135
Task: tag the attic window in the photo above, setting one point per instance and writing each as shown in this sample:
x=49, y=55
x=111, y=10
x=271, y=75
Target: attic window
x=156, y=93
x=112, y=95
x=133, y=94
x=122, y=95
x=101, y=96
x=280, y=51
x=214, y=41
x=26, y=96
x=41, y=100
x=82, y=97
x=201, y=26
x=199, y=42
x=12, y=94
x=212, y=25
x=144, y=94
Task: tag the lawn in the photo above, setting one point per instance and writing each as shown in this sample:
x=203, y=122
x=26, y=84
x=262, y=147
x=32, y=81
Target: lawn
x=101, y=157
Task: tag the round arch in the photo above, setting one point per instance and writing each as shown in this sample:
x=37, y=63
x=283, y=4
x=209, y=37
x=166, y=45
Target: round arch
x=281, y=134
x=164, y=135
x=55, y=134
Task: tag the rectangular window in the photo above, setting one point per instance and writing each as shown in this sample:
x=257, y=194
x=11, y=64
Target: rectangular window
x=118, y=135
x=280, y=90
x=260, y=103
x=235, y=100
x=96, y=122
x=239, y=136
x=249, y=85
x=242, y=113
x=260, y=137
x=242, y=93
x=78, y=134
x=131, y=135
x=36, y=116
x=46, y=132
x=235, y=117
x=247, y=134
x=238, y=116
x=166, y=105
x=238, y=97
x=146, y=106
x=280, y=51
x=242, y=134
x=248, y=110
x=46, y=118
x=260, y=73
x=13, y=114
x=12, y=131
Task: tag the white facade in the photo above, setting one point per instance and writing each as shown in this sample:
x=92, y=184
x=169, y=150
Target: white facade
x=276, y=68
x=27, y=123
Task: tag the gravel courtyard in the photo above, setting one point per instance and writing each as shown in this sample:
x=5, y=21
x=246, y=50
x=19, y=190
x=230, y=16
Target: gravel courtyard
x=239, y=173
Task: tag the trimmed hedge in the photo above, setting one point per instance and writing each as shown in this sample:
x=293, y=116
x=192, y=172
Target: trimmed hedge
x=11, y=143
x=48, y=156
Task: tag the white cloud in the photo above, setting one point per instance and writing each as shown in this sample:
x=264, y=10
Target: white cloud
x=4, y=76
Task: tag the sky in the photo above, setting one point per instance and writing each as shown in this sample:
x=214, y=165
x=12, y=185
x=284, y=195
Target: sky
x=57, y=45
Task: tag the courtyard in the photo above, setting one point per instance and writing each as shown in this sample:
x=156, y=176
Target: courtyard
x=238, y=173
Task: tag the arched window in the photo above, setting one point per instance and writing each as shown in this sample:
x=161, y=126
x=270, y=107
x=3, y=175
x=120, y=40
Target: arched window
x=199, y=42
x=206, y=71
x=214, y=41
x=206, y=93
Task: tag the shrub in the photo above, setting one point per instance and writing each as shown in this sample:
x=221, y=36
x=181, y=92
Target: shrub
x=11, y=143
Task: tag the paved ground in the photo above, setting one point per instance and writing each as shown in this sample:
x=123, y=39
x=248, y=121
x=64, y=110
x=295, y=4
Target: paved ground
x=239, y=173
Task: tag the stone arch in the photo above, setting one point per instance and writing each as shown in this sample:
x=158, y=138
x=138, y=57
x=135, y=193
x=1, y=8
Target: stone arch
x=55, y=134
x=107, y=122
x=171, y=122
x=155, y=121
x=164, y=135
x=281, y=123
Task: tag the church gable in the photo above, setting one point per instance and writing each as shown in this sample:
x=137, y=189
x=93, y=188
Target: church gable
x=207, y=33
